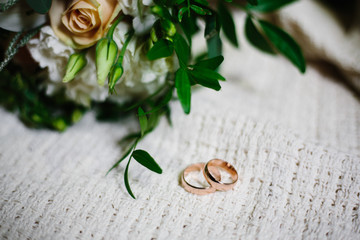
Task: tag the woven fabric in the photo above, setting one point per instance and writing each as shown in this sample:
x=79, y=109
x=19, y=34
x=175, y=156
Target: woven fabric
x=294, y=139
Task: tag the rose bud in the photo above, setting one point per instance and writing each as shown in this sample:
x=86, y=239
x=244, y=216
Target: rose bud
x=76, y=63
x=106, y=53
x=114, y=76
x=168, y=27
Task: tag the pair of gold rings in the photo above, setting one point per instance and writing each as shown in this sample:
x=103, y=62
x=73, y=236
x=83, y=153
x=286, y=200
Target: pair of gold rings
x=212, y=171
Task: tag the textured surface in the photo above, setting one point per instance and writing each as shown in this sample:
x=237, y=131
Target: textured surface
x=295, y=141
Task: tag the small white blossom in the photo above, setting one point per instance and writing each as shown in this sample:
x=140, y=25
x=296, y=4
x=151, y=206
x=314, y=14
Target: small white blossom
x=52, y=54
x=132, y=7
x=141, y=77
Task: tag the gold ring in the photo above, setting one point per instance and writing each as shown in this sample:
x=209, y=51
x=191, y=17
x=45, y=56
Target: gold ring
x=198, y=167
x=213, y=178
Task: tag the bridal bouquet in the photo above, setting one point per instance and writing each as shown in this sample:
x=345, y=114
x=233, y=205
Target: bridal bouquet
x=62, y=58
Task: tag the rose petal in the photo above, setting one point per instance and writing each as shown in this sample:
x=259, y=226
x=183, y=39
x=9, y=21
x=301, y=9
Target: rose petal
x=81, y=5
x=109, y=10
x=55, y=12
x=88, y=38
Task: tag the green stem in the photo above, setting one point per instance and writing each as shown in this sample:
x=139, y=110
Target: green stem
x=113, y=26
x=151, y=96
x=126, y=43
x=188, y=7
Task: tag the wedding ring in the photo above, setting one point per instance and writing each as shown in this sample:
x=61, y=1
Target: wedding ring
x=213, y=178
x=198, y=167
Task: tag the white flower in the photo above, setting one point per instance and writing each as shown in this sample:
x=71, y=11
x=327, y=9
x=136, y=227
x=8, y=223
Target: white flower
x=131, y=7
x=142, y=20
x=52, y=54
x=141, y=77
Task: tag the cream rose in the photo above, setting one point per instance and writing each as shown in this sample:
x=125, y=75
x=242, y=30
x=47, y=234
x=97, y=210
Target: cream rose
x=81, y=23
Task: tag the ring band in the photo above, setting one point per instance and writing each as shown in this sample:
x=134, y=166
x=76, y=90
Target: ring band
x=212, y=178
x=194, y=189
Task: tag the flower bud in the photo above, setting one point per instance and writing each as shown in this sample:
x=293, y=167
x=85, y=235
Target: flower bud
x=158, y=10
x=115, y=74
x=77, y=61
x=106, y=52
x=168, y=27
x=59, y=124
x=153, y=35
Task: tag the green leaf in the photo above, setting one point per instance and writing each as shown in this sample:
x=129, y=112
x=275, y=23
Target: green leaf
x=181, y=13
x=202, y=2
x=142, y=120
x=40, y=6
x=269, y=5
x=168, y=114
x=189, y=26
x=227, y=23
x=161, y=11
x=207, y=82
x=285, y=44
x=126, y=179
x=200, y=10
x=183, y=88
x=255, y=37
x=211, y=63
x=214, y=46
x=123, y=156
x=253, y=2
x=212, y=36
x=153, y=120
x=162, y=48
x=178, y=2
x=204, y=73
x=182, y=50
x=164, y=101
x=146, y=160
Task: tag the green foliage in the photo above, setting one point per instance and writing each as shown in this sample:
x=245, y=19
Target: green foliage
x=227, y=24
x=21, y=94
x=212, y=35
x=256, y=38
x=15, y=44
x=182, y=50
x=211, y=63
x=40, y=6
x=126, y=179
x=146, y=160
x=253, y=2
x=199, y=10
x=117, y=69
x=268, y=5
x=162, y=48
x=183, y=88
x=143, y=121
x=285, y=44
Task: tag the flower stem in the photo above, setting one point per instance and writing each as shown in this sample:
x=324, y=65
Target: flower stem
x=113, y=26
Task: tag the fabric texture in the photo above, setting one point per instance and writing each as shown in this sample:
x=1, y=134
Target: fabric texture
x=294, y=139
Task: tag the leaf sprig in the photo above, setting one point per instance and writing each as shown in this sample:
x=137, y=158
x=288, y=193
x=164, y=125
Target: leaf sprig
x=169, y=40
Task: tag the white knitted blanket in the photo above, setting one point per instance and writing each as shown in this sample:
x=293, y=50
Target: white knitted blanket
x=294, y=139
